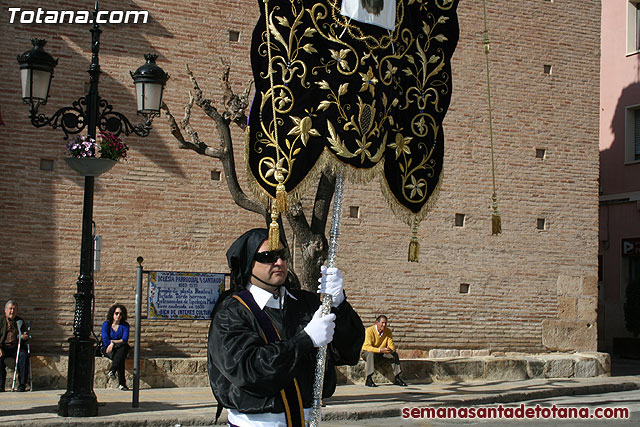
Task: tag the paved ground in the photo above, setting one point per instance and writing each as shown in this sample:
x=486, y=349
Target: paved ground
x=356, y=403
x=629, y=400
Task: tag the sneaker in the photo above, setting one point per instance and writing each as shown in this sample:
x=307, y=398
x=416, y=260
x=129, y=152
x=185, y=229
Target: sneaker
x=21, y=388
x=111, y=375
x=123, y=387
x=369, y=382
x=399, y=381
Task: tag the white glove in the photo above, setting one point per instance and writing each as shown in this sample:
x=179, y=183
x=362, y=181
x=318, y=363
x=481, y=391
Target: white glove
x=320, y=328
x=331, y=283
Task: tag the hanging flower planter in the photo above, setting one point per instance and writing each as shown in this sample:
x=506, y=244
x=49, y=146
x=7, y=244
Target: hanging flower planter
x=90, y=166
x=83, y=151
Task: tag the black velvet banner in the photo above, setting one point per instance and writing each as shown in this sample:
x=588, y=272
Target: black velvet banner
x=366, y=94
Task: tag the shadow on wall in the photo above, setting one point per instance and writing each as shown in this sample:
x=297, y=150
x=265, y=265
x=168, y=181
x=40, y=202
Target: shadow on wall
x=34, y=259
x=613, y=157
x=50, y=371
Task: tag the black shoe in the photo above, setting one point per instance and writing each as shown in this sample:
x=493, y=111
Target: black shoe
x=398, y=381
x=369, y=382
x=111, y=376
x=21, y=388
x=123, y=387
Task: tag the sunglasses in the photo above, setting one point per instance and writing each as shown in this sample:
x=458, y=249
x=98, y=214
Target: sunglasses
x=117, y=313
x=269, y=257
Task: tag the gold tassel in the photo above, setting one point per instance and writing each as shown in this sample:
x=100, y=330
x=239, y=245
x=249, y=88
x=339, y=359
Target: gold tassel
x=496, y=221
x=496, y=224
x=281, y=198
x=414, y=249
x=274, y=230
x=414, y=244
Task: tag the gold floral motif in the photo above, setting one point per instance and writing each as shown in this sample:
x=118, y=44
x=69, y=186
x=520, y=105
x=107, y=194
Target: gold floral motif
x=423, y=70
x=286, y=53
x=422, y=123
x=303, y=129
x=412, y=186
x=369, y=82
x=401, y=144
x=442, y=4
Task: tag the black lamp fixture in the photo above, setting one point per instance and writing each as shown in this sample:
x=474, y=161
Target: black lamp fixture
x=90, y=113
x=36, y=68
x=149, y=80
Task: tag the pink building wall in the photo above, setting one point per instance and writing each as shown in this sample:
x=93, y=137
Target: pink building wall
x=619, y=181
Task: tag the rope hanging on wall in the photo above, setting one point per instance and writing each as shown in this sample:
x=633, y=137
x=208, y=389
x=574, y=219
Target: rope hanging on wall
x=279, y=204
x=496, y=221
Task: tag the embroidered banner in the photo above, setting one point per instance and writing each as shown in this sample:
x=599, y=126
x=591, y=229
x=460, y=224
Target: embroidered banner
x=354, y=94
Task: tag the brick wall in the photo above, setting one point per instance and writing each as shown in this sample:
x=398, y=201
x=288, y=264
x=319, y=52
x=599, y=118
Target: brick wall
x=162, y=204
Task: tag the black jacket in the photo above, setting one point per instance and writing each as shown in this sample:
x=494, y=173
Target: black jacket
x=247, y=375
x=4, y=328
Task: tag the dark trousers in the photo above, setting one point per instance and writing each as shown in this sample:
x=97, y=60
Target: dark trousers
x=23, y=363
x=370, y=360
x=118, y=355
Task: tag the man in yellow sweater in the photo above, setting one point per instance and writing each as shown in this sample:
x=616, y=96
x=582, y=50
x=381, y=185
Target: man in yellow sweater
x=378, y=343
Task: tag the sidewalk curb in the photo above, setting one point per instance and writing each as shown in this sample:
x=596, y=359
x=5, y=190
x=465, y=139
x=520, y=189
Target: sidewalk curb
x=507, y=397
x=197, y=407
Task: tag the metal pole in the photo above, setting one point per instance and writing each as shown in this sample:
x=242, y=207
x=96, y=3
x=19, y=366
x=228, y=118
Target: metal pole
x=19, y=323
x=136, y=342
x=321, y=358
x=80, y=400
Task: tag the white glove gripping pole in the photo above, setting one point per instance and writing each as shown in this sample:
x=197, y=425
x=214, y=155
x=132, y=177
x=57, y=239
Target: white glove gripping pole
x=19, y=324
x=326, y=300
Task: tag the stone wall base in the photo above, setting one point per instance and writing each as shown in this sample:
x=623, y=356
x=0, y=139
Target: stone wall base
x=487, y=368
x=50, y=372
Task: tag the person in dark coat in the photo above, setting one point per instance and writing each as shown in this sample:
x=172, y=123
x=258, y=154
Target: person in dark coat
x=10, y=333
x=264, y=336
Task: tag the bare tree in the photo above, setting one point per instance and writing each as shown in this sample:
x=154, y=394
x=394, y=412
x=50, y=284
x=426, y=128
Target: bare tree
x=309, y=235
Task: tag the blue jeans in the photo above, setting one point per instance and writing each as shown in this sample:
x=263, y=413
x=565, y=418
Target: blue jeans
x=23, y=363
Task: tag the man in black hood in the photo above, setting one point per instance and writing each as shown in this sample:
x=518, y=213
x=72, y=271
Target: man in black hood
x=264, y=337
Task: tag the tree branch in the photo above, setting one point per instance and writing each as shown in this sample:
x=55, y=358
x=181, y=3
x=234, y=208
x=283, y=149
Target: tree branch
x=310, y=237
x=235, y=106
x=224, y=153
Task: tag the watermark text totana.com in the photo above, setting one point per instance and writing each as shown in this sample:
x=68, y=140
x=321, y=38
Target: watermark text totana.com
x=43, y=16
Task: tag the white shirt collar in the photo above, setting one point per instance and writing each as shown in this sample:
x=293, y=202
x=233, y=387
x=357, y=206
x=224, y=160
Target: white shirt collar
x=265, y=298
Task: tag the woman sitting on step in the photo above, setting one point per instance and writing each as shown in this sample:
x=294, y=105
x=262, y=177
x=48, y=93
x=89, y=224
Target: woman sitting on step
x=115, y=337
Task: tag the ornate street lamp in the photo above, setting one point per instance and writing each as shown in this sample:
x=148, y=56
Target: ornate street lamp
x=36, y=69
x=149, y=80
x=91, y=112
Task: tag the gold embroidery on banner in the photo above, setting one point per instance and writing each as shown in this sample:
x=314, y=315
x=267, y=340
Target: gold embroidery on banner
x=361, y=129
x=286, y=53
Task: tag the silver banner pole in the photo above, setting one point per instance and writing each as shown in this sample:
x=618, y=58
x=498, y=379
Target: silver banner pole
x=321, y=358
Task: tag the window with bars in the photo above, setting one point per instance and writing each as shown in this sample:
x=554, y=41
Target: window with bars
x=636, y=134
x=632, y=134
x=636, y=12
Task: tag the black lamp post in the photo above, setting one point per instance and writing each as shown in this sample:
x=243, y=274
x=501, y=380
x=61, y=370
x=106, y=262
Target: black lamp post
x=91, y=112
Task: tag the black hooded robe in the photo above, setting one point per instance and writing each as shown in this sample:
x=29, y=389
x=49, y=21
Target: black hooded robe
x=245, y=373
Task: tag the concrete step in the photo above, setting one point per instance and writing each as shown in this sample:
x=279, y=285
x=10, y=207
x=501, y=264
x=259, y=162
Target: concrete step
x=50, y=371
